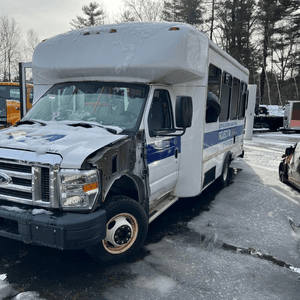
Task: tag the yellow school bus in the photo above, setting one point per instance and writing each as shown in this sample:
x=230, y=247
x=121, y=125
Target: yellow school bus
x=10, y=102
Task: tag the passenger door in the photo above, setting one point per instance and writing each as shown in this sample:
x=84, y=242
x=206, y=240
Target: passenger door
x=163, y=152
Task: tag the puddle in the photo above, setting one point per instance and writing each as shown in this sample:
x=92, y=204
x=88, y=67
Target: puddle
x=211, y=241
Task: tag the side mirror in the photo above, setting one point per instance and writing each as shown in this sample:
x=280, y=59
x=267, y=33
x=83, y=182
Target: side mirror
x=184, y=111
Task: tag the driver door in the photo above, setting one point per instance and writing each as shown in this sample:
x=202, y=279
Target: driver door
x=163, y=152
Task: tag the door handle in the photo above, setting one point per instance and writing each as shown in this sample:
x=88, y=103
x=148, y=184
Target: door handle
x=176, y=152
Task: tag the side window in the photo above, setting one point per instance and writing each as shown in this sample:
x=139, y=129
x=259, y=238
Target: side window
x=243, y=100
x=160, y=114
x=225, y=96
x=235, y=100
x=213, y=94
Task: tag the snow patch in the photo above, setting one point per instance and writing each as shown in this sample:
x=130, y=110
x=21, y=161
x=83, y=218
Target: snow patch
x=6, y=290
x=13, y=209
x=28, y=296
x=41, y=211
x=3, y=276
x=162, y=284
x=296, y=270
x=275, y=110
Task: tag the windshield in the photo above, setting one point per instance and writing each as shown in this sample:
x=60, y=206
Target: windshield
x=107, y=104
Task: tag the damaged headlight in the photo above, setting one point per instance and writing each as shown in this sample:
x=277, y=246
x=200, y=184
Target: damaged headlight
x=78, y=189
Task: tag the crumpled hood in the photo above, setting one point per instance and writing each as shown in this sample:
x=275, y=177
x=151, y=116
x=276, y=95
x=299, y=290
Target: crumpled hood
x=73, y=144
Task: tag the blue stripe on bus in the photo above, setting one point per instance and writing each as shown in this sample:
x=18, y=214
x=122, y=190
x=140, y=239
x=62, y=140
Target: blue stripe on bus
x=216, y=137
x=164, y=149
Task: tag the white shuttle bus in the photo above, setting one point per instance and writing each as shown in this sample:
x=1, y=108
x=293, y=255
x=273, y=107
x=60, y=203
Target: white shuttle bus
x=127, y=119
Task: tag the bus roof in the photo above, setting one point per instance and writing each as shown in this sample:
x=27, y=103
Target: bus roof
x=147, y=52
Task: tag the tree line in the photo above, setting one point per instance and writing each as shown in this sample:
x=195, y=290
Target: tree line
x=13, y=48
x=263, y=35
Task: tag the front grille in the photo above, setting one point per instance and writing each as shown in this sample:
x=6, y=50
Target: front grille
x=45, y=184
x=15, y=194
x=28, y=184
x=21, y=181
x=15, y=167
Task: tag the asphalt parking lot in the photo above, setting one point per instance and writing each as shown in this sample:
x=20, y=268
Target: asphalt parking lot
x=234, y=243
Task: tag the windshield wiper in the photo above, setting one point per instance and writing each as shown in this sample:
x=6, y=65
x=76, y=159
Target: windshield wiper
x=29, y=122
x=88, y=125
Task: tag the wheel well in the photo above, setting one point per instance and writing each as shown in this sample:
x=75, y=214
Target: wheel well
x=124, y=186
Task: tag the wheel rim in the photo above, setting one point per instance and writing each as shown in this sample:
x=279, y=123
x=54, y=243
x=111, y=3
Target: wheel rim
x=121, y=233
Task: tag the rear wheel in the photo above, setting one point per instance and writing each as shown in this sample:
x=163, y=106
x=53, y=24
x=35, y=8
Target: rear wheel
x=126, y=230
x=225, y=176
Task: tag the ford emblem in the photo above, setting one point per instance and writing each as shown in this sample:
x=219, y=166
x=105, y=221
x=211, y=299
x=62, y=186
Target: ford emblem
x=5, y=179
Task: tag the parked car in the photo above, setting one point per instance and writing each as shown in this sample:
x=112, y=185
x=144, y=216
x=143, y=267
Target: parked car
x=289, y=167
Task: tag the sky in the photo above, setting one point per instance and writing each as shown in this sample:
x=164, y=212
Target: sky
x=50, y=17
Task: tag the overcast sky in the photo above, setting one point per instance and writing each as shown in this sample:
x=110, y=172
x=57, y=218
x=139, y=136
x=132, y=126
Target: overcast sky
x=50, y=17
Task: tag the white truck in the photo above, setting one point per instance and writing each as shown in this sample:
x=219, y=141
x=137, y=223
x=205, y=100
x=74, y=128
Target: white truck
x=127, y=118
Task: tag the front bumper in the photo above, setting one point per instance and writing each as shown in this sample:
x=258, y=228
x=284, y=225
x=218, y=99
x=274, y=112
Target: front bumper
x=61, y=230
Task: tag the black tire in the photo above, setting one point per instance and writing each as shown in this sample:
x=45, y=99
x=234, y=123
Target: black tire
x=225, y=175
x=283, y=172
x=126, y=217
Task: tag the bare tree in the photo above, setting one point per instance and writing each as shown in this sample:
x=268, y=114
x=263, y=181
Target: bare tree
x=10, y=35
x=142, y=10
x=30, y=44
x=95, y=16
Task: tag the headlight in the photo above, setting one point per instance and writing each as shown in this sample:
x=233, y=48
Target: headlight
x=78, y=189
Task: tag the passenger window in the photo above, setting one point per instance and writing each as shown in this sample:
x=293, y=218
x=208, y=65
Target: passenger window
x=235, y=99
x=213, y=93
x=225, y=96
x=243, y=100
x=160, y=114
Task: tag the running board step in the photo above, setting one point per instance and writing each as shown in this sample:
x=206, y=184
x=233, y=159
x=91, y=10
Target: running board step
x=160, y=206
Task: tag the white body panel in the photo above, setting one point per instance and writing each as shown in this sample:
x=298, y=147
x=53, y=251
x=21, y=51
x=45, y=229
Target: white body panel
x=136, y=52
x=72, y=144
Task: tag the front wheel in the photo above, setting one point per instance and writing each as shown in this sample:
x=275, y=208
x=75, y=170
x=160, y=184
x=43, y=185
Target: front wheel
x=126, y=230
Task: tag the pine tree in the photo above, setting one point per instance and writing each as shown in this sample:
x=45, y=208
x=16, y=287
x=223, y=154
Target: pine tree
x=95, y=16
x=171, y=10
x=236, y=24
x=187, y=11
x=270, y=14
